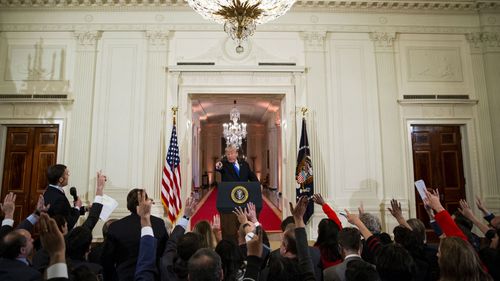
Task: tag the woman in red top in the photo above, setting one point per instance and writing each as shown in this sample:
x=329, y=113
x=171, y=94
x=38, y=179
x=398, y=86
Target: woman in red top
x=328, y=230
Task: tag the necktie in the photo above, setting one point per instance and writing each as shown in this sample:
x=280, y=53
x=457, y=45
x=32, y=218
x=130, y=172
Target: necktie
x=236, y=169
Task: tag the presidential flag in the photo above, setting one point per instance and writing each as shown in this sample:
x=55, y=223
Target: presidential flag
x=171, y=180
x=304, y=172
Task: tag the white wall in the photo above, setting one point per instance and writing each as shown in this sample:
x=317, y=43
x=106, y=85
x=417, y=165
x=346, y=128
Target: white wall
x=352, y=72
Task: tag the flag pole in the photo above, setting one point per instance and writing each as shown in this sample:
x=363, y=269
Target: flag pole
x=304, y=111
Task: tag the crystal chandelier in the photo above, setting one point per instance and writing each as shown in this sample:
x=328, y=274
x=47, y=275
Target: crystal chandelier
x=234, y=132
x=240, y=17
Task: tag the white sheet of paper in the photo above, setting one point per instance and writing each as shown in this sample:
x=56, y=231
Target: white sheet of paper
x=421, y=188
x=108, y=206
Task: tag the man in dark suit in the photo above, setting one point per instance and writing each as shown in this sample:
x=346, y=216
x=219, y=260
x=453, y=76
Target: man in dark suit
x=14, y=265
x=233, y=170
x=121, y=248
x=58, y=176
x=351, y=246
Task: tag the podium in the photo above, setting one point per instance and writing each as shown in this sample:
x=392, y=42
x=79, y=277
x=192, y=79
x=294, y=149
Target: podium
x=236, y=194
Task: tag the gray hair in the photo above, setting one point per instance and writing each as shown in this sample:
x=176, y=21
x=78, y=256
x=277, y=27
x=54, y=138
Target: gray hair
x=371, y=222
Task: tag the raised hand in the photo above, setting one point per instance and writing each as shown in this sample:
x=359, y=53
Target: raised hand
x=9, y=205
x=101, y=180
x=395, y=209
x=299, y=210
x=190, y=207
x=144, y=208
x=52, y=239
x=465, y=210
x=40, y=205
x=352, y=218
x=481, y=206
x=361, y=208
x=216, y=228
x=318, y=199
x=254, y=245
x=251, y=213
x=432, y=200
x=216, y=222
x=218, y=165
x=240, y=214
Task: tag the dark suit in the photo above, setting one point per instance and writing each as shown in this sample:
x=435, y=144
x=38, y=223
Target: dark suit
x=315, y=255
x=168, y=257
x=146, y=263
x=121, y=248
x=59, y=205
x=228, y=172
x=337, y=272
x=17, y=271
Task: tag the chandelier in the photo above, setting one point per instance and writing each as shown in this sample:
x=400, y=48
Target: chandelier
x=240, y=17
x=234, y=132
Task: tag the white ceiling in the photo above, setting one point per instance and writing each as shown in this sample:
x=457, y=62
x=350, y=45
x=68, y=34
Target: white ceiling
x=253, y=108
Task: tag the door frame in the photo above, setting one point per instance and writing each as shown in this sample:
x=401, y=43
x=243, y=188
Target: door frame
x=469, y=157
x=5, y=123
x=287, y=82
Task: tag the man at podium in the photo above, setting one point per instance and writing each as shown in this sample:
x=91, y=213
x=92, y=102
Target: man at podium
x=233, y=170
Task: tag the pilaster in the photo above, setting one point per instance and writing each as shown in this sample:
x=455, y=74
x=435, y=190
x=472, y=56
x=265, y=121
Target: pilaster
x=155, y=121
x=485, y=56
x=316, y=77
x=80, y=124
x=390, y=124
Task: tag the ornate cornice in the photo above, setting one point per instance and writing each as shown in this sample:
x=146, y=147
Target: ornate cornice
x=451, y=6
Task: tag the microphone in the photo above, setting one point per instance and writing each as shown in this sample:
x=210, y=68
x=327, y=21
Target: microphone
x=73, y=193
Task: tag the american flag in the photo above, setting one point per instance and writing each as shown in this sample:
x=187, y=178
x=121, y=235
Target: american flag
x=171, y=181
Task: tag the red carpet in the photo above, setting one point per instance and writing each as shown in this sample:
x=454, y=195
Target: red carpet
x=206, y=210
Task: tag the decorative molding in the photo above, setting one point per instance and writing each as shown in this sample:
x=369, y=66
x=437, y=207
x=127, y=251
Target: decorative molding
x=487, y=41
x=87, y=39
x=383, y=40
x=448, y=6
x=49, y=27
x=314, y=40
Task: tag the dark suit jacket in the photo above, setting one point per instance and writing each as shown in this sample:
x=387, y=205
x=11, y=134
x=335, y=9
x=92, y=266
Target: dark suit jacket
x=315, y=257
x=146, y=262
x=167, y=260
x=59, y=205
x=17, y=271
x=228, y=172
x=6, y=229
x=121, y=248
x=337, y=272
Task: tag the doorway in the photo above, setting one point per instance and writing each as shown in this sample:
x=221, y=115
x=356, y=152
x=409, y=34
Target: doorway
x=29, y=151
x=438, y=160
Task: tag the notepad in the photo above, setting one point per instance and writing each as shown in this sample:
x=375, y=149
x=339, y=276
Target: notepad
x=421, y=188
x=108, y=206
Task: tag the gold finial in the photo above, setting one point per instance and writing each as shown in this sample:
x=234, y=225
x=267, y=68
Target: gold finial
x=304, y=111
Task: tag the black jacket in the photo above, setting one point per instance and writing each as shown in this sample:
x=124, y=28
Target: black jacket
x=121, y=248
x=59, y=205
x=228, y=172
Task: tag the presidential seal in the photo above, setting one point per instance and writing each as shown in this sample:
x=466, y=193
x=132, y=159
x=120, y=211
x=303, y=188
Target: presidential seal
x=239, y=194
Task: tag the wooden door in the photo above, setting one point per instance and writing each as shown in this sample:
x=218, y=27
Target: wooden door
x=437, y=159
x=29, y=152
